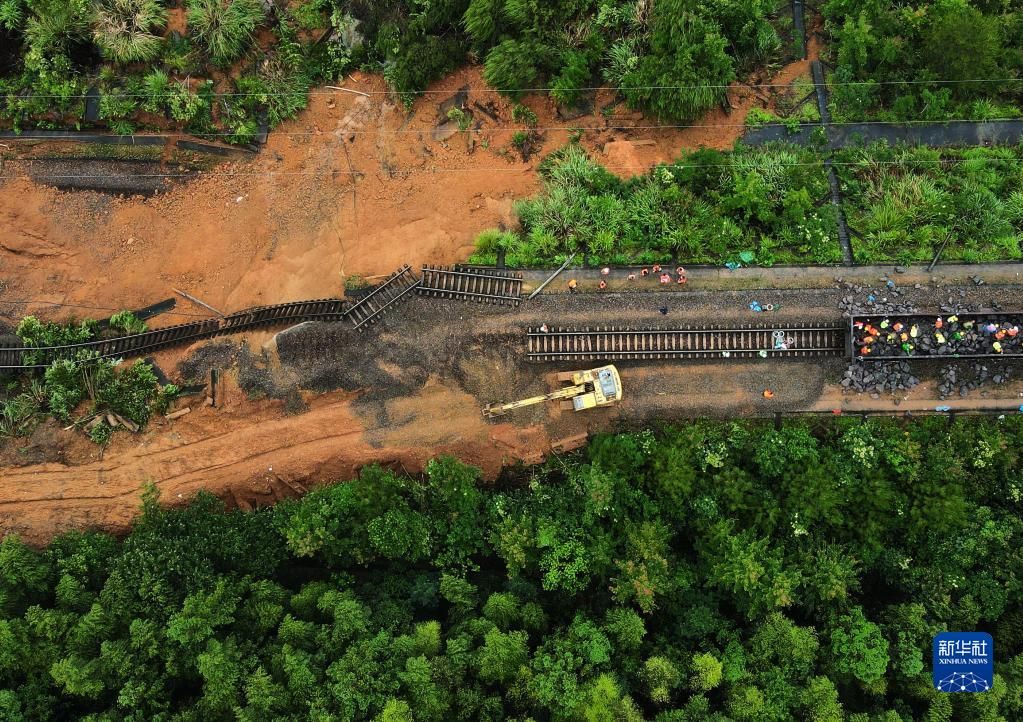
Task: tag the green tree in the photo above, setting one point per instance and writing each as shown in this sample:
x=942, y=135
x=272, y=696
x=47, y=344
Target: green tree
x=858, y=648
x=502, y=656
x=705, y=672
x=661, y=677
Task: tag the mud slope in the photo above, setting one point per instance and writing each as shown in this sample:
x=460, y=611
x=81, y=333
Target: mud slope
x=354, y=185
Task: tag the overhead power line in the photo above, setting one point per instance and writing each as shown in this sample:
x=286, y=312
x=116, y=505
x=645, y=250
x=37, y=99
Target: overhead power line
x=595, y=88
x=39, y=302
x=272, y=174
x=507, y=126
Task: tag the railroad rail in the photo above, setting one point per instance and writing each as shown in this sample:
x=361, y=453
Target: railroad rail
x=696, y=342
x=139, y=344
x=399, y=285
x=483, y=285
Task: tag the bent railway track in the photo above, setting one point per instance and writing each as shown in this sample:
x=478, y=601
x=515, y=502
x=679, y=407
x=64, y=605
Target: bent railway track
x=383, y=298
x=139, y=344
x=483, y=285
x=368, y=310
x=622, y=344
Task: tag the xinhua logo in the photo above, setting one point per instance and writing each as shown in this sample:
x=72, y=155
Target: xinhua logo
x=964, y=662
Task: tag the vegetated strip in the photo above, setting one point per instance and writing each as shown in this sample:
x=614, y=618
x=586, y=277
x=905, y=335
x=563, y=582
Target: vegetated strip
x=483, y=285
x=610, y=343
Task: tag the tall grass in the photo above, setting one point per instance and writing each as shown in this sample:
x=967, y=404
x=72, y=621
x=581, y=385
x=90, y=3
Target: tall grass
x=225, y=27
x=907, y=201
x=124, y=29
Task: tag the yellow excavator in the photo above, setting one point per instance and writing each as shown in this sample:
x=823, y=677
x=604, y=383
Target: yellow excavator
x=586, y=390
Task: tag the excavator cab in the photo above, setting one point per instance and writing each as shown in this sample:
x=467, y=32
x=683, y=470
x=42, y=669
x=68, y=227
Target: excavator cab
x=586, y=389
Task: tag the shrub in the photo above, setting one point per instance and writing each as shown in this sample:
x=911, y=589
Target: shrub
x=523, y=114
x=131, y=392
x=225, y=27
x=123, y=29
x=37, y=334
x=156, y=89
x=127, y=322
x=460, y=117
x=65, y=387
x=512, y=66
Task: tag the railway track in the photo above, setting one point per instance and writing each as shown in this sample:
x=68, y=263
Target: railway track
x=368, y=310
x=621, y=344
x=483, y=285
x=398, y=286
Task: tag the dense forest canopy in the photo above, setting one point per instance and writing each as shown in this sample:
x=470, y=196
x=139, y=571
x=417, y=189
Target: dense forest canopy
x=711, y=571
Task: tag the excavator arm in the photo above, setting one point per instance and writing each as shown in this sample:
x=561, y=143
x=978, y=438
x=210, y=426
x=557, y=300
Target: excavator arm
x=567, y=392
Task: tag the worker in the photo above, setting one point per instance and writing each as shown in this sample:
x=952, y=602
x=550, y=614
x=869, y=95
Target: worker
x=939, y=337
x=680, y=271
x=645, y=272
x=768, y=394
x=602, y=285
x=938, y=323
x=657, y=269
x=897, y=326
x=907, y=347
x=544, y=328
x=605, y=271
x=681, y=280
x=997, y=347
x=663, y=310
x=1013, y=331
x=884, y=324
x=953, y=319
x=572, y=284
x=865, y=350
x=665, y=278
x=632, y=276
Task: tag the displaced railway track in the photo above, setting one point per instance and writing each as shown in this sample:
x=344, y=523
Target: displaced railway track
x=371, y=307
x=139, y=344
x=698, y=342
x=483, y=285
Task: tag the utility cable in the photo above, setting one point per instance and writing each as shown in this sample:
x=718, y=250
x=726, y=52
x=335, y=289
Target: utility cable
x=669, y=166
x=595, y=88
x=38, y=302
x=509, y=126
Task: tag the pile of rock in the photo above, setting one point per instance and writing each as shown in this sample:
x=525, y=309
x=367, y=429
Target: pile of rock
x=964, y=378
x=900, y=336
x=878, y=378
x=863, y=301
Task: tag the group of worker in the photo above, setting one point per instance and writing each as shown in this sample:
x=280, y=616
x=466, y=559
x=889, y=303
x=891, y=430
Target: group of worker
x=887, y=336
x=663, y=275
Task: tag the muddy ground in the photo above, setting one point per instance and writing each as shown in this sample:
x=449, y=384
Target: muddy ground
x=316, y=402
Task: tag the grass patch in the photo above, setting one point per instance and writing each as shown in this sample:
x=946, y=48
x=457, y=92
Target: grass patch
x=906, y=201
